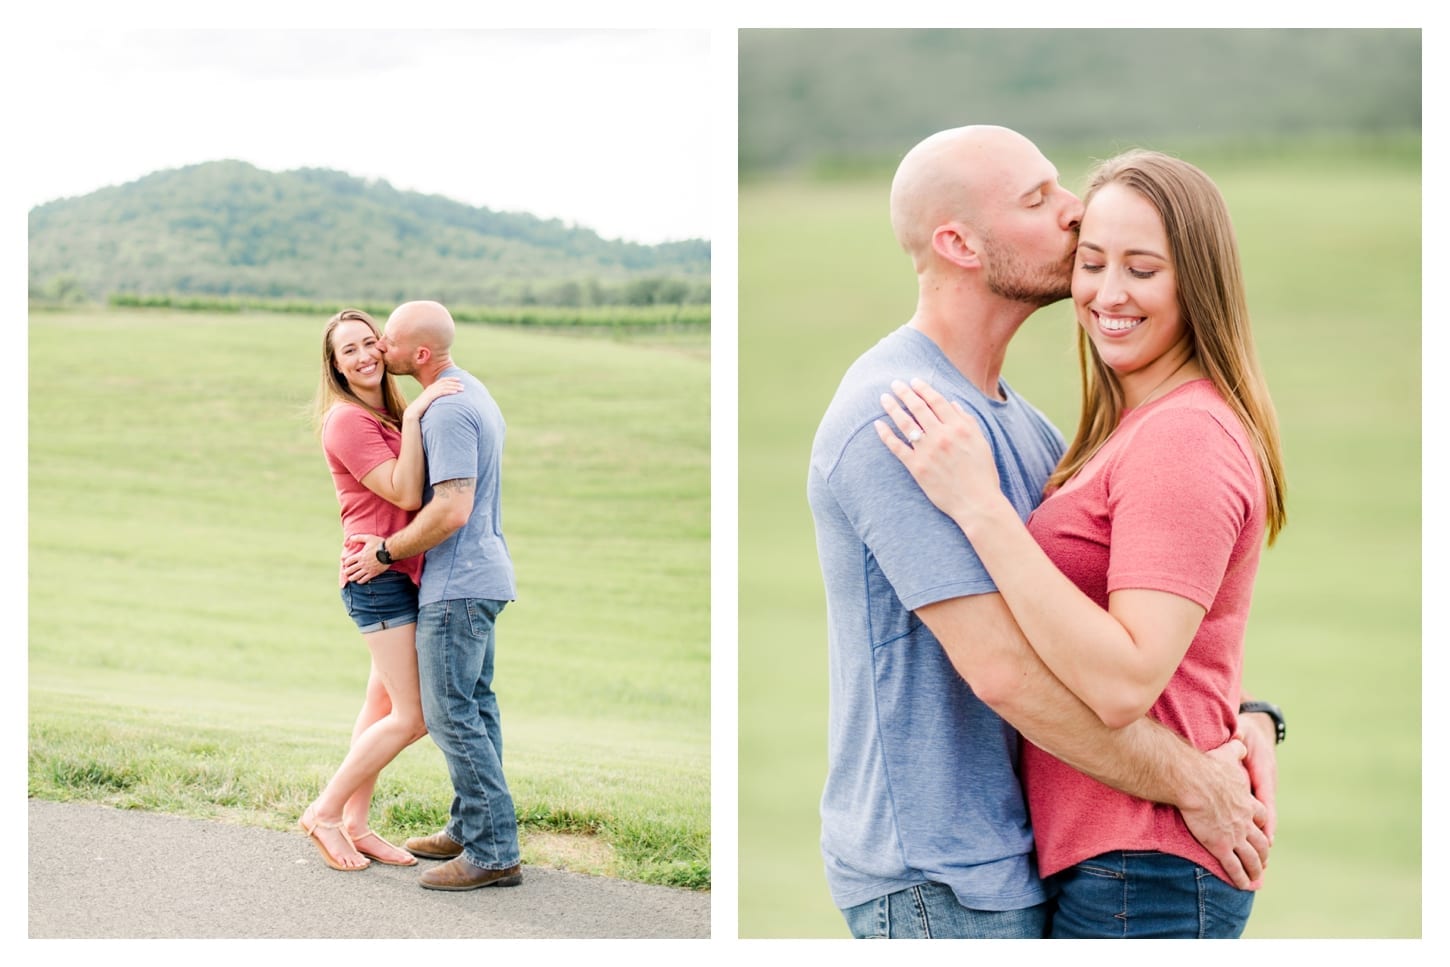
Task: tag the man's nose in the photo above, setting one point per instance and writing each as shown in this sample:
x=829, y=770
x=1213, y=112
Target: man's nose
x=1071, y=212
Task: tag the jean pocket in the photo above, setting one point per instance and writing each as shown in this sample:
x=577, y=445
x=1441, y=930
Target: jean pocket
x=482, y=613
x=1101, y=872
x=868, y=921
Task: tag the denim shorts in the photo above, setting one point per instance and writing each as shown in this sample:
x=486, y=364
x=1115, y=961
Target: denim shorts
x=389, y=600
x=1146, y=894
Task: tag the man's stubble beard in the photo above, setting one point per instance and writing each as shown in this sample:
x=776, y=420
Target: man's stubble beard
x=1010, y=278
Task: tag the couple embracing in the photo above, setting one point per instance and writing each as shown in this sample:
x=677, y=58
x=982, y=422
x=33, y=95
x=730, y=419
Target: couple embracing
x=1037, y=723
x=424, y=589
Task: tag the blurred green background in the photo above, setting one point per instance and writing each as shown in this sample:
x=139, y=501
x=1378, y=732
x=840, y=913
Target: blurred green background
x=1314, y=138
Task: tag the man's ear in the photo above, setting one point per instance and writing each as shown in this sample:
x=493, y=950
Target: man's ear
x=958, y=244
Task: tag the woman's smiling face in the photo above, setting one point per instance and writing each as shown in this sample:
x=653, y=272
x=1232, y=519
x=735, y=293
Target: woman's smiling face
x=1124, y=288
x=356, y=356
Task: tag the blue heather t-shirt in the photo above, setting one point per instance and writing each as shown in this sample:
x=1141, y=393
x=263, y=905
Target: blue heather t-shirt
x=922, y=781
x=463, y=439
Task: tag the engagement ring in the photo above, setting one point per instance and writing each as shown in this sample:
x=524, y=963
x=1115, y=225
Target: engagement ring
x=914, y=435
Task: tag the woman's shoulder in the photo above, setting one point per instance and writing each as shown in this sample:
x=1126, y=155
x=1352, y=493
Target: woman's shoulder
x=340, y=413
x=349, y=418
x=1195, y=422
x=1200, y=402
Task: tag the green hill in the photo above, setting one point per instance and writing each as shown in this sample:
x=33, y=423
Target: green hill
x=822, y=99
x=230, y=229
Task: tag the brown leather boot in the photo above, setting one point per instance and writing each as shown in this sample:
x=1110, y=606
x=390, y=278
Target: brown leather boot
x=435, y=847
x=460, y=874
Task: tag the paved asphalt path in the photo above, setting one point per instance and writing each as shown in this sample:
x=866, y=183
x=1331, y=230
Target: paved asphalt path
x=97, y=872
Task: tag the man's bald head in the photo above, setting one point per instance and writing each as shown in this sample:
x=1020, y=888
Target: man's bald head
x=957, y=175
x=422, y=323
x=418, y=339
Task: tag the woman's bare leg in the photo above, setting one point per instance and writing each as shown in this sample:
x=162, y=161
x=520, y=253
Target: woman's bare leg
x=390, y=720
x=376, y=706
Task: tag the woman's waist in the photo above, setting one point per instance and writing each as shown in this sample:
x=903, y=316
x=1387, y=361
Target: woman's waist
x=373, y=517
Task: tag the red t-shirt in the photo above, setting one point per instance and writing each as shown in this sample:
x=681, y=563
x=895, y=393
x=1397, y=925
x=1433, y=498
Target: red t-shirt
x=1174, y=502
x=355, y=443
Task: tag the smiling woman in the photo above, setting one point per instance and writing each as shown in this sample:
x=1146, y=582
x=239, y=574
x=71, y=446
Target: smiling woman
x=1127, y=296
x=374, y=448
x=1132, y=580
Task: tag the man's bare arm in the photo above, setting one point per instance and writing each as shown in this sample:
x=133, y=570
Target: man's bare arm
x=446, y=512
x=1144, y=759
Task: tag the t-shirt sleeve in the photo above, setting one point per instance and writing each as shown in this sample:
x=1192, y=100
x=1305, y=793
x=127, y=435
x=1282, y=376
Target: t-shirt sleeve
x=919, y=549
x=356, y=441
x=451, y=441
x=1179, y=498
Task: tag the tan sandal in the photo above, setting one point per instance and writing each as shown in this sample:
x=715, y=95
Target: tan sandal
x=410, y=861
x=327, y=856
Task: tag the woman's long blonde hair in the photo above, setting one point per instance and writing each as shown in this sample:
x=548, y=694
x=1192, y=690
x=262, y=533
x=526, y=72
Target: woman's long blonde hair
x=1213, y=305
x=332, y=387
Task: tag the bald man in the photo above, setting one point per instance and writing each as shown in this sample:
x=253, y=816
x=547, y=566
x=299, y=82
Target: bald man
x=468, y=577
x=924, y=830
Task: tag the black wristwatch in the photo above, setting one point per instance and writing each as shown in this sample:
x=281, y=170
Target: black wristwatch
x=385, y=558
x=1272, y=711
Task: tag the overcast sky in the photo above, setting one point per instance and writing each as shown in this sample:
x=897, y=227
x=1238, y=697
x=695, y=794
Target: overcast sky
x=606, y=129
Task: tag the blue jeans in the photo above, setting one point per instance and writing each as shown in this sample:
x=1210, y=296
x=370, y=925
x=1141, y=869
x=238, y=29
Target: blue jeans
x=455, y=675
x=1149, y=894
x=930, y=910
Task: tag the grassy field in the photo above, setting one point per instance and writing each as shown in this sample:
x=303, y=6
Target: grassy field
x=187, y=649
x=1332, y=253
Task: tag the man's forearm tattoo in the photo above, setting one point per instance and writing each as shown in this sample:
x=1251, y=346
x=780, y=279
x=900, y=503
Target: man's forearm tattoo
x=458, y=486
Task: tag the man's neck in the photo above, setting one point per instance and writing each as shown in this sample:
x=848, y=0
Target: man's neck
x=426, y=375
x=973, y=334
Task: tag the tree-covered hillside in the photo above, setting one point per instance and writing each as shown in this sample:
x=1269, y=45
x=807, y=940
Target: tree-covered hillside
x=814, y=99
x=227, y=228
